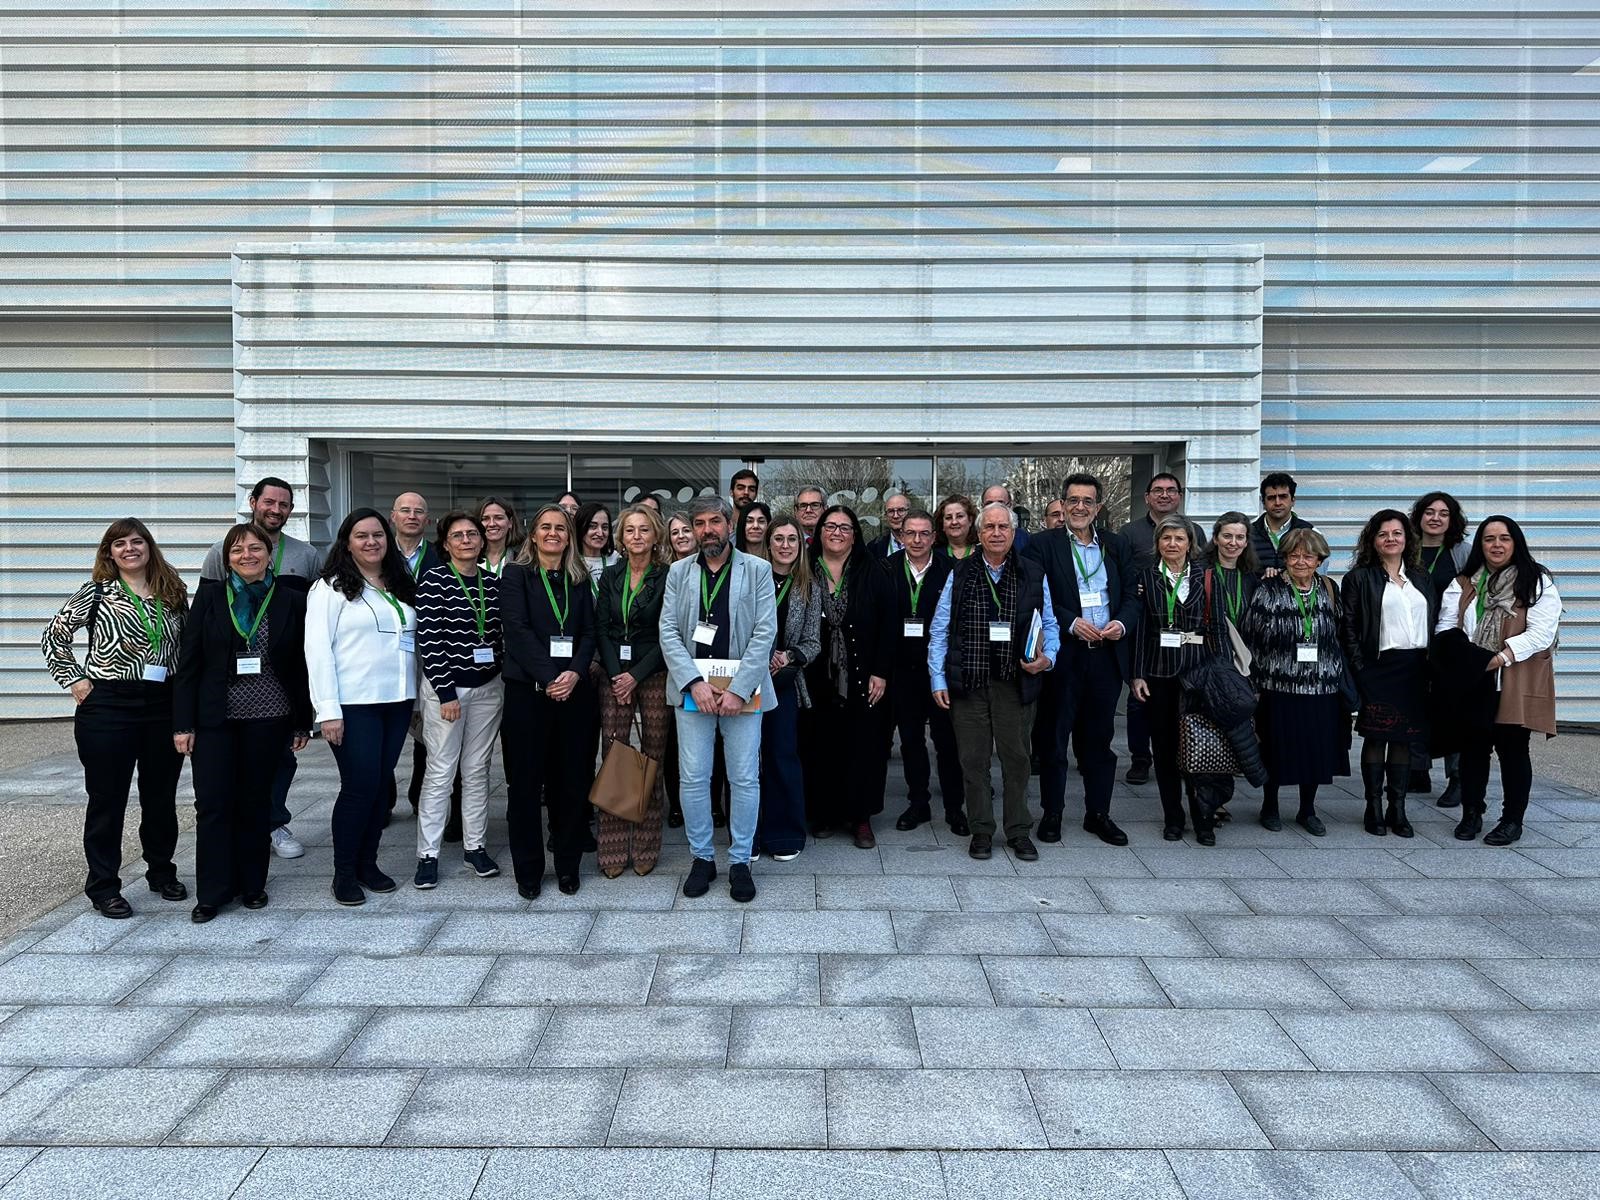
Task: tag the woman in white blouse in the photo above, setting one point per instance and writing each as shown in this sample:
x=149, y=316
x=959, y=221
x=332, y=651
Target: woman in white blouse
x=362, y=662
x=1506, y=604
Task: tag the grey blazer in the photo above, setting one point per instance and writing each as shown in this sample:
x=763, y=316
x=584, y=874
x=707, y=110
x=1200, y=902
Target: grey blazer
x=802, y=633
x=753, y=620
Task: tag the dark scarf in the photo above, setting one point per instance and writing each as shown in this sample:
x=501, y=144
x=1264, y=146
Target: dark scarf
x=247, y=598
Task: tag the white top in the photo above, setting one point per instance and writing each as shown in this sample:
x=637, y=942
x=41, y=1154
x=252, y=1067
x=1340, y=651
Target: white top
x=1404, y=622
x=355, y=651
x=1544, y=619
x=598, y=565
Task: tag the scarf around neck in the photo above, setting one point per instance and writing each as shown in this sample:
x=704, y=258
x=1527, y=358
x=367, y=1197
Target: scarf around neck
x=247, y=598
x=1499, y=599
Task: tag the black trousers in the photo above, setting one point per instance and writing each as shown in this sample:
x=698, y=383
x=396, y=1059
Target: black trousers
x=123, y=726
x=1080, y=696
x=1509, y=743
x=374, y=735
x=852, y=746
x=1162, y=710
x=548, y=748
x=235, y=765
x=915, y=716
x=1138, y=730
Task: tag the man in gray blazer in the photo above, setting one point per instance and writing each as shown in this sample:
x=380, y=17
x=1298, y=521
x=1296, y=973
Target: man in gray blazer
x=719, y=605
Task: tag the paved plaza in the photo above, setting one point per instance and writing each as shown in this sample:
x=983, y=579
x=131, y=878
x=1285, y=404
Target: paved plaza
x=1278, y=1016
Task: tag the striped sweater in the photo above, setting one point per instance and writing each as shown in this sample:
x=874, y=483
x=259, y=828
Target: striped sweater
x=447, y=630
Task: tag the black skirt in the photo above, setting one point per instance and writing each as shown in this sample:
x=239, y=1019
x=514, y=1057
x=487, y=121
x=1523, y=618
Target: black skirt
x=1394, y=706
x=1304, y=739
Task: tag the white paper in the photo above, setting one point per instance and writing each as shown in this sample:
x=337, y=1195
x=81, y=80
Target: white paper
x=247, y=664
x=154, y=673
x=483, y=655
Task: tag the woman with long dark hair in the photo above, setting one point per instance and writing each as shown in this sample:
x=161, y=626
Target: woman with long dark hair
x=596, y=547
x=1442, y=524
x=781, y=830
x=1507, y=604
x=751, y=536
x=361, y=657
x=1234, y=571
x=955, y=529
x=501, y=533
x=133, y=608
x=1390, y=606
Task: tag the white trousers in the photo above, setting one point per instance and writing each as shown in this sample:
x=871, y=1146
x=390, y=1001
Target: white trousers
x=467, y=743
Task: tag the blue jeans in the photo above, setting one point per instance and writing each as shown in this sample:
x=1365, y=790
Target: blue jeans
x=741, y=746
x=782, y=828
x=373, y=737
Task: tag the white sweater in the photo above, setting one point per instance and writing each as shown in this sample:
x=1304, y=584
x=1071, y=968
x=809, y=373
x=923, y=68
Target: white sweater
x=1544, y=619
x=355, y=653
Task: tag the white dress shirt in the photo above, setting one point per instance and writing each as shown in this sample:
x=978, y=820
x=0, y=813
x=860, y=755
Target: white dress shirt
x=358, y=651
x=1403, y=624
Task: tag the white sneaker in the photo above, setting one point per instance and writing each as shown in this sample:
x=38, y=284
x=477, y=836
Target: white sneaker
x=786, y=856
x=285, y=844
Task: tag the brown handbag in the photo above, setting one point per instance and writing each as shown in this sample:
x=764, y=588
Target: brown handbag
x=625, y=783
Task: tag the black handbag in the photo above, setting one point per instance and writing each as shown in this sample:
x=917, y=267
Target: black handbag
x=1202, y=748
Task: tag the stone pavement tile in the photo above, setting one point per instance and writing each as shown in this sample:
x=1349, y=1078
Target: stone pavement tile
x=904, y=980
x=86, y=933
x=1501, y=1176
x=838, y=856
x=1309, y=897
x=1476, y=897
x=79, y=1106
x=451, y=1037
x=948, y=860
x=1083, y=857
x=1319, y=862
x=1073, y=982
x=418, y=979
x=1039, y=893
x=1551, y=937
x=586, y=1174
x=512, y=933
x=1280, y=937
x=1178, y=861
x=1544, y=983
x=971, y=933
x=538, y=979
x=298, y=1108
x=955, y=1110
x=1578, y=897
x=678, y=932
x=826, y=932
x=1410, y=983
x=1126, y=934
x=655, y=892
x=1048, y=1038
x=1060, y=1175
x=14, y=1158
x=85, y=1035
x=837, y=1174
x=726, y=1109
x=1453, y=936
x=1540, y=1041
x=1488, y=862
x=1141, y=1109
x=1167, y=896
x=1152, y=1039
x=1276, y=1174
x=262, y=1037
x=235, y=932
x=370, y=934
x=669, y=1036
x=735, y=979
x=1356, y=1111
x=492, y=1107
x=1528, y=1111
x=130, y=1171
x=466, y=894
x=840, y=1036
x=74, y=978
x=795, y=893
x=1242, y=983
x=10, y=1075
x=194, y=979
x=907, y=893
x=335, y=1173
x=1373, y=1040
x=1570, y=863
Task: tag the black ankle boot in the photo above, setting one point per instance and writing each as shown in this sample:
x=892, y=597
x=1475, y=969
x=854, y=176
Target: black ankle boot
x=1372, y=785
x=1395, y=818
x=1471, y=823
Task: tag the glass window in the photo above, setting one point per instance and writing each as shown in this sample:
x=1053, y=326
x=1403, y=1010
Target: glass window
x=620, y=479
x=1035, y=480
x=862, y=483
x=454, y=477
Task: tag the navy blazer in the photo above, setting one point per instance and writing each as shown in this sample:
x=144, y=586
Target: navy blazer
x=1053, y=549
x=211, y=644
x=527, y=625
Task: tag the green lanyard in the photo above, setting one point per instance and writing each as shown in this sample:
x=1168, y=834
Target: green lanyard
x=1171, y=592
x=1083, y=571
x=629, y=594
x=400, y=613
x=566, y=595
x=784, y=590
x=1275, y=538
x=1483, y=592
x=1434, y=561
x=709, y=598
x=277, y=561
x=422, y=553
x=987, y=578
x=152, y=628
x=914, y=584
x=480, y=606
x=836, y=587
x=254, y=625
x=1234, y=602
x=1307, y=611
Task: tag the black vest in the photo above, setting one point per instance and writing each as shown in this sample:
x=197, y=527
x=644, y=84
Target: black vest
x=1030, y=598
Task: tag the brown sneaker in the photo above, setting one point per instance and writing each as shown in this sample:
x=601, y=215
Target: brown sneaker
x=864, y=838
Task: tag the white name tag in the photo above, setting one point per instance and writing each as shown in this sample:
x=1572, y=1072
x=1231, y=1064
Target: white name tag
x=1171, y=639
x=912, y=629
x=1305, y=653
x=560, y=647
x=705, y=633
x=247, y=664
x=625, y=653
x=408, y=642
x=999, y=631
x=483, y=655
x=1087, y=600
x=154, y=673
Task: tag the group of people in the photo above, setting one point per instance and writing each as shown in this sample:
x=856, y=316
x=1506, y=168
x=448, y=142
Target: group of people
x=768, y=661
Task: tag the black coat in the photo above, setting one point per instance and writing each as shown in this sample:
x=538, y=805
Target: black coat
x=210, y=647
x=1267, y=553
x=1213, y=686
x=1052, y=549
x=1030, y=598
x=644, y=632
x=1361, y=596
x=528, y=624
x=911, y=654
x=869, y=628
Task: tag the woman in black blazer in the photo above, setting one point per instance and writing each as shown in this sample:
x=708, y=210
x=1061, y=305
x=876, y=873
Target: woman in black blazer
x=240, y=693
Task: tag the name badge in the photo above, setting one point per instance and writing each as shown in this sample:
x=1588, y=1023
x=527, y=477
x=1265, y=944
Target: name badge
x=408, y=642
x=1088, y=600
x=1305, y=652
x=560, y=647
x=1171, y=639
x=999, y=631
x=483, y=655
x=247, y=664
x=154, y=673
x=705, y=633
x=912, y=629
x=625, y=653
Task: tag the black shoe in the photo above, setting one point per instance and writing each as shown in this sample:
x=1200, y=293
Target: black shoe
x=981, y=847
x=911, y=818
x=1220, y=816
x=567, y=883
x=674, y=817
x=374, y=880
x=1138, y=772
x=528, y=891
x=1172, y=833
x=1469, y=827
x=958, y=824
x=861, y=834
x=481, y=864
x=201, y=913
x=1104, y=828
x=254, y=900
x=1372, y=785
x=427, y=875
x=1395, y=816
x=1503, y=834
x=701, y=872
x=1451, y=796
x=1050, y=827
x=1023, y=848
x=1312, y=824
x=822, y=830
x=172, y=889
x=1270, y=820
x=740, y=884
x=1206, y=837
x=347, y=891
x=114, y=907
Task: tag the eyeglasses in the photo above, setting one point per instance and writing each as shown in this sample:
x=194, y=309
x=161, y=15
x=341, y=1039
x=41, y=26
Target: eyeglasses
x=808, y=504
x=895, y=512
x=463, y=535
x=1080, y=502
x=1164, y=491
x=838, y=527
x=915, y=535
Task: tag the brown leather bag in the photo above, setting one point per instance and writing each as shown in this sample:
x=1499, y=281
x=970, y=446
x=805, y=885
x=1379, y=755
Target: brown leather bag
x=625, y=783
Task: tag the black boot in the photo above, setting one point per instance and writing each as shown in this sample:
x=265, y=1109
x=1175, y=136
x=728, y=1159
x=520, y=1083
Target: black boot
x=1372, y=784
x=1395, y=818
x=1204, y=830
x=1270, y=818
x=1471, y=823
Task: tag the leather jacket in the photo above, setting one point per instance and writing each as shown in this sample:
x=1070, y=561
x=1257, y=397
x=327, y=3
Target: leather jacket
x=1362, y=594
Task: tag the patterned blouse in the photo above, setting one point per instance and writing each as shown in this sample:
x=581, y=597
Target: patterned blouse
x=119, y=645
x=258, y=697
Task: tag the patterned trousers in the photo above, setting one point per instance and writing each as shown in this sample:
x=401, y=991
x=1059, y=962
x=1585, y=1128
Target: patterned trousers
x=619, y=839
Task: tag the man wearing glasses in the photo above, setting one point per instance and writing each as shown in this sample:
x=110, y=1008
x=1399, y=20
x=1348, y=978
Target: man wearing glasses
x=890, y=543
x=808, y=505
x=1095, y=591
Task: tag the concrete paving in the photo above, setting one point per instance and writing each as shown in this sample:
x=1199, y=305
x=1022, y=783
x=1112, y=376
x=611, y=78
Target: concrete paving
x=1277, y=1016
